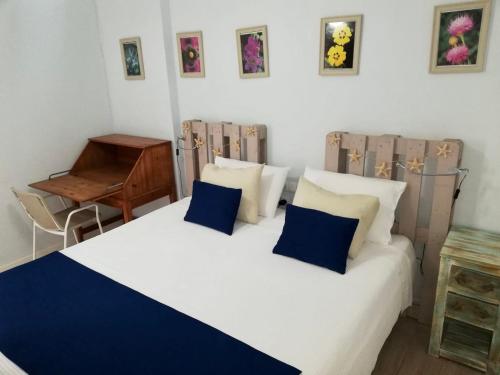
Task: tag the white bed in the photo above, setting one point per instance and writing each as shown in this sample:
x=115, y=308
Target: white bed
x=312, y=318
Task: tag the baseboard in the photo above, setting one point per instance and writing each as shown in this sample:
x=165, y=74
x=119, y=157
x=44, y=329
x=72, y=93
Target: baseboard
x=54, y=246
x=28, y=258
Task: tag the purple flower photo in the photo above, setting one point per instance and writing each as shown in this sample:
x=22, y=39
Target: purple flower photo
x=252, y=48
x=253, y=59
x=190, y=51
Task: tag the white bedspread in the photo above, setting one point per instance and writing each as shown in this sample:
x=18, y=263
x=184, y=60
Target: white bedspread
x=314, y=319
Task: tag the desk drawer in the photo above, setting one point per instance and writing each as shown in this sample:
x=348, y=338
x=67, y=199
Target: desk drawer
x=477, y=313
x=475, y=283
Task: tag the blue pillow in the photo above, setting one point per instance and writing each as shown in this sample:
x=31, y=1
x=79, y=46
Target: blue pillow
x=316, y=237
x=214, y=206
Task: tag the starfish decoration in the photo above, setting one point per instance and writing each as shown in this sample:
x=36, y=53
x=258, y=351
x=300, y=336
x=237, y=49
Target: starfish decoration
x=198, y=142
x=186, y=127
x=216, y=152
x=355, y=156
x=237, y=145
x=415, y=165
x=443, y=150
x=251, y=131
x=334, y=139
x=383, y=170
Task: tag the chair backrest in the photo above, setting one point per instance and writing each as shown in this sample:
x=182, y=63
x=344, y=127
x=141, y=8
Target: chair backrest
x=37, y=209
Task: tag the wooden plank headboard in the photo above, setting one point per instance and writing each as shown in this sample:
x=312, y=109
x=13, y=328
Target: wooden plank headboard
x=203, y=141
x=426, y=208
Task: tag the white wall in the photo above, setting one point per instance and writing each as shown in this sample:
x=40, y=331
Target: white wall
x=140, y=107
x=394, y=93
x=52, y=97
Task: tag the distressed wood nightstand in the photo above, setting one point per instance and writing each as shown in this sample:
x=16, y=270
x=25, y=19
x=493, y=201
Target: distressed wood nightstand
x=466, y=322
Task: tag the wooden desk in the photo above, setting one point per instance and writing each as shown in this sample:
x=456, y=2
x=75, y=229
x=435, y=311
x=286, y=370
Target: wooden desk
x=120, y=171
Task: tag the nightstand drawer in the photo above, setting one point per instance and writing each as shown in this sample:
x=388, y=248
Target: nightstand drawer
x=475, y=283
x=480, y=314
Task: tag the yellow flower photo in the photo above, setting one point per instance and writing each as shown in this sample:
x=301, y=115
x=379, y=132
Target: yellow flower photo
x=342, y=34
x=340, y=39
x=336, y=56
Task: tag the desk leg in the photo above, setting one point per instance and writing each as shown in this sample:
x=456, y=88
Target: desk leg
x=79, y=231
x=127, y=212
x=173, y=196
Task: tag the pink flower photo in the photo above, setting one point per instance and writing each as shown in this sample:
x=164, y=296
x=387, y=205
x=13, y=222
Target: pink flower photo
x=460, y=36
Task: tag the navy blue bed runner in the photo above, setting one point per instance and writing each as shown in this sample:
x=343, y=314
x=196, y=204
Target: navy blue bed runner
x=59, y=317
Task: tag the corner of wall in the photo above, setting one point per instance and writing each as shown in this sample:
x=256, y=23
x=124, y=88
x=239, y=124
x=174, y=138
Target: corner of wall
x=101, y=50
x=168, y=37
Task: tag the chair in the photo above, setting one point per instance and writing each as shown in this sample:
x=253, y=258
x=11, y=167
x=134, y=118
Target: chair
x=58, y=223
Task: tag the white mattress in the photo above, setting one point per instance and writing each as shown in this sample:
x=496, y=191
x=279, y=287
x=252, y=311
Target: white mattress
x=312, y=318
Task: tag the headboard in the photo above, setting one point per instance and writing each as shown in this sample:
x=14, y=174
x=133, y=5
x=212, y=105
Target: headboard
x=205, y=140
x=426, y=208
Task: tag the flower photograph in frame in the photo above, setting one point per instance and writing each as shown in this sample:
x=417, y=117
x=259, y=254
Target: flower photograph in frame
x=131, y=51
x=253, y=56
x=190, y=52
x=459, y=37
x=340, y=45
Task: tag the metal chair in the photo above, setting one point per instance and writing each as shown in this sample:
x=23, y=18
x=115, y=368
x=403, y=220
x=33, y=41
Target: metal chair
x=58, y=223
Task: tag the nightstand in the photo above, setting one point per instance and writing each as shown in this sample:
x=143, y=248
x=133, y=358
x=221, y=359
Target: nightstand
x=466, y=322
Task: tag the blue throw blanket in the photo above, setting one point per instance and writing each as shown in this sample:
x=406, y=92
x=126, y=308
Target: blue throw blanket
x=59, y=317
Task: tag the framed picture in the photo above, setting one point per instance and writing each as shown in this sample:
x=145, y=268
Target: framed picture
x=459, y=37
x=253, y=56
x=340, y=44
x=131, y=50
x=190, y=52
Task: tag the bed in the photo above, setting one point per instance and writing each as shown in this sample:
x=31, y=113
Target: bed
x=311, y=319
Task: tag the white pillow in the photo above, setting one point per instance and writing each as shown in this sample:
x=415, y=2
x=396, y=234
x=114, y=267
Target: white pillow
x=387, y=191
x=271, y=184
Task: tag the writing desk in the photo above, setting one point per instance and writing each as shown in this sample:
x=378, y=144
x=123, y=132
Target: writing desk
x=118, y=170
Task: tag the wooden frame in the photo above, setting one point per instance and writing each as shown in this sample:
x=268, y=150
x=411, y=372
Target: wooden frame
x=357, y=46
x=350, y=153
x=201, y=57
x=485, y=5
x=137, y=42
x=203, y=141
x=250, y=30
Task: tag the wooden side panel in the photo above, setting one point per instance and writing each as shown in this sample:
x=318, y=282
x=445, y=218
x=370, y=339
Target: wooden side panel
x=439, y=309
x=216, y=133
x=384, y=159
x=232, y=132
x=153, y=171
x=415, y=157
x=440, y=219
x=356, y=145
x=262, y=143
x=201, y=145
x=252, y=135
x=494, y=360
x=189, y=160
x=334, y=158
x=94, y=155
